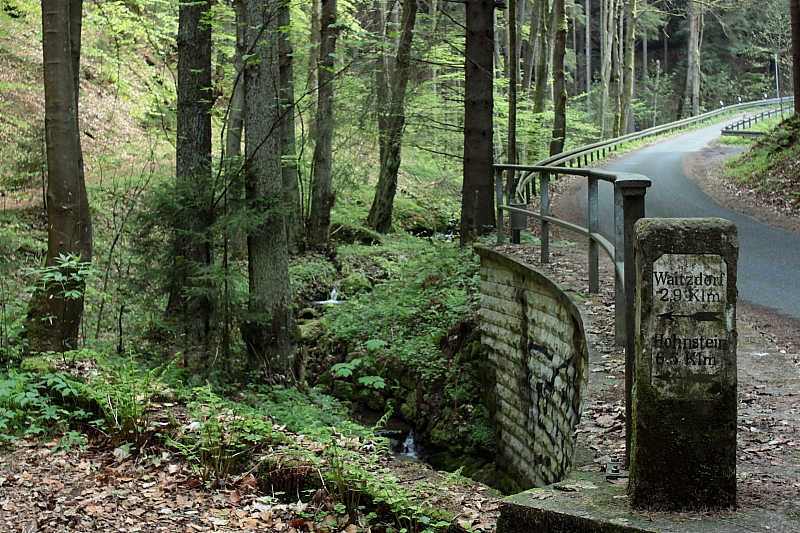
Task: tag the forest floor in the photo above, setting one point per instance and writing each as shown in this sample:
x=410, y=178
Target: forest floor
x=95, y=489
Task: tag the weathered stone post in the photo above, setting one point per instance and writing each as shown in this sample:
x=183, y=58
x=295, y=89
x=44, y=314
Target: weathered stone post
x=683, y=427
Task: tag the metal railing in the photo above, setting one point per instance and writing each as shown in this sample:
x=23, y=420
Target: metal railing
x=738, y=128
x=599, y=149
x=629, y=191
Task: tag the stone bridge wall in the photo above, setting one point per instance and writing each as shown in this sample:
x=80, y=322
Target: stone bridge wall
x=535, y=338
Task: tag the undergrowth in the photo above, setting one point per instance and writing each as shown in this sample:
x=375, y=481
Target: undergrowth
x=425, y=290
x=770, y=166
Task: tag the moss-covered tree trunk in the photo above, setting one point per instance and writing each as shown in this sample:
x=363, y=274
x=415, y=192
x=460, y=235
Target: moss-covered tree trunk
x=55, y=310
x=626, y=98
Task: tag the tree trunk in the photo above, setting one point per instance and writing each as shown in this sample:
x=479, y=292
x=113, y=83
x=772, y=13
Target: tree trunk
x=795, y=9
x=269, y=331
x=607, y=35
x=291, y=194
x=322, y=197
x=313, y=64
x=381, y=74
x=695, y=16
x=543, y=60
x=233, y=139
x=477, y=195
x=588, y=52
x=513, y=82
x=645, y=69
x=559, y=80
x=532, y=50
x=617, y=66
x=626, y=98
x=665, y=42
x=54, y=312
x=391, y=138
x=193, y=183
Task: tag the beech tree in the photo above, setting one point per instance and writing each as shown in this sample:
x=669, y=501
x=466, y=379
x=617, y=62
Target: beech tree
x=55, y=311
x=694, y=14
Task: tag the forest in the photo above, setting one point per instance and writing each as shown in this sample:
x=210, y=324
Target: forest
x=262, y=212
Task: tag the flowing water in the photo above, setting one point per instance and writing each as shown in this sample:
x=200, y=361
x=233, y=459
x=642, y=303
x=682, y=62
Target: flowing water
x=399, y=433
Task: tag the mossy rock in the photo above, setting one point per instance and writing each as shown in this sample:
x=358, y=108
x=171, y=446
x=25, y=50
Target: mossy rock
x=310, y=331
x=37, y=365
x=325, y=381
x=355, y=283
x=373, y=399
x=348, y=234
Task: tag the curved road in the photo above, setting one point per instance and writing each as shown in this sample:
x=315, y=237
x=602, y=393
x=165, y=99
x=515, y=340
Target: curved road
x=769, y=258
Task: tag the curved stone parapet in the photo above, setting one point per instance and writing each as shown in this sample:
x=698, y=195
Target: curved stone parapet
x=534, y=335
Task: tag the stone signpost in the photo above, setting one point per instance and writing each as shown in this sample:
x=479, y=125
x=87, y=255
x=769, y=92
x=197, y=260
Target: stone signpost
x=683, y=412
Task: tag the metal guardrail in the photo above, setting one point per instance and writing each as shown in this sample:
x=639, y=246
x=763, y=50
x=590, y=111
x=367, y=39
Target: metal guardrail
x=569, y=157
x=738, y=128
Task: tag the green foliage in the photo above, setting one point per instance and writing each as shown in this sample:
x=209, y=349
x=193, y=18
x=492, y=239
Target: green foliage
x=68, y=276
x=221, y=436
x=310, y=413
x=345, y=370
x=426, y=290
x=778, y=149
x=130, y=46
x=38, y=406
x=123, y=393
x=366, y=498
x=311, y=276
x=26, y=157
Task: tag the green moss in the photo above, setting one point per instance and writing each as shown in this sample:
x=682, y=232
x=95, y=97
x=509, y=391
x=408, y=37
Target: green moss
x=37, y=365
x=683, y=451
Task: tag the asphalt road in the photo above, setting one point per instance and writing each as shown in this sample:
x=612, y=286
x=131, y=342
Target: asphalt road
x=769, y=258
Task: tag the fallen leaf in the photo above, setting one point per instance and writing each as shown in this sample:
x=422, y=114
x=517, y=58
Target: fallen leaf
x=604, y=421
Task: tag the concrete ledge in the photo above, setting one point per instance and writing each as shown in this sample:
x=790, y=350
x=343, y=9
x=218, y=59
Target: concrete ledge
x=587, y=503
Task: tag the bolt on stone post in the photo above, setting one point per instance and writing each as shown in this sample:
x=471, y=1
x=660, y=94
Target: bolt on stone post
x=684, y=403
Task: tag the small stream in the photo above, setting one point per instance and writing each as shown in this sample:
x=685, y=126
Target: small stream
x=333, y=298
x=399, y=433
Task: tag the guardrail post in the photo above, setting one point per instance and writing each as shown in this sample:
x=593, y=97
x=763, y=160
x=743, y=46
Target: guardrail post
x=544, y=193
x=629, y=195
x=517, y=222
x=498, y=175
x=594, y=269
x=619, y=259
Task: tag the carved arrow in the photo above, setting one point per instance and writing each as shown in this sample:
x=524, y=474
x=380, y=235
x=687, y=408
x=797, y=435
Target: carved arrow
x=702, y=316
